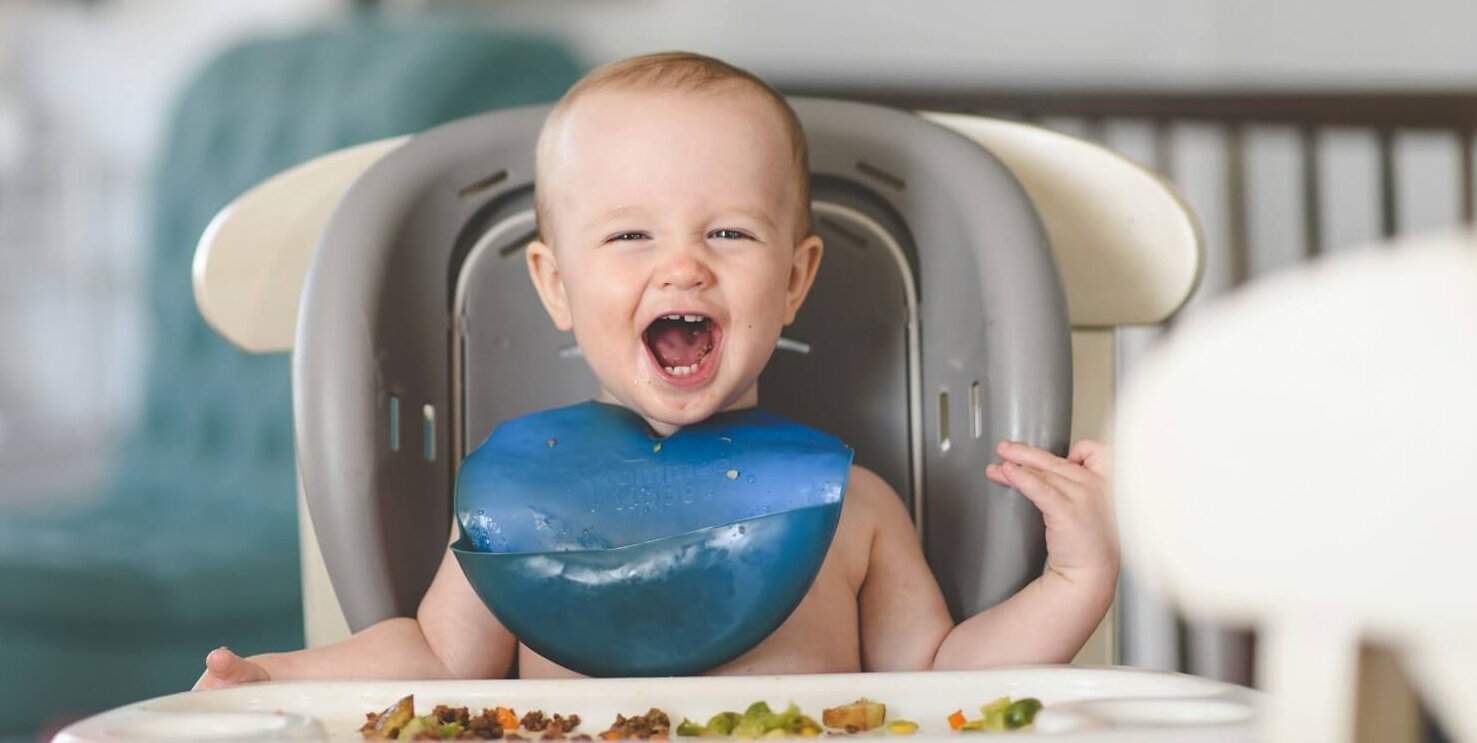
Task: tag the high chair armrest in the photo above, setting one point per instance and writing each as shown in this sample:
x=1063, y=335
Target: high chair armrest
x=253, y=257
x=1127, y=246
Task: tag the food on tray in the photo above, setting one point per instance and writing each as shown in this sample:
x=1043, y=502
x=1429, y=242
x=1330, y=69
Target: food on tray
x=653, y=724
x=999, y=715
x=388, y=724
x=861, y=715
x=506, y=719
x=535, y=722
x=758, y=721
x=400, y=722
x=902, y=727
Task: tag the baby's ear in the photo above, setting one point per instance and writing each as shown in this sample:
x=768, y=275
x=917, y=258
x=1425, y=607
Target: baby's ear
x=543, y=269
x=803, y=267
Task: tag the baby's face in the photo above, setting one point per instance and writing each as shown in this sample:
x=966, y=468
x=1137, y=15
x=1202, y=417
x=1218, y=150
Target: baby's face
x=673, y=250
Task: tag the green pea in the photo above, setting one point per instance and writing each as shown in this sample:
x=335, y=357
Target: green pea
x=1022, y=713
x=723, y=723
x=783, y=720
x=757, y=711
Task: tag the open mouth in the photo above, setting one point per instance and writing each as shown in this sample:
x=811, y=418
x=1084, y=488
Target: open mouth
x=682, y=346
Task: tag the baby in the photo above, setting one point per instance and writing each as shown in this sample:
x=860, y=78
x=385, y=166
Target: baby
x=675, y=184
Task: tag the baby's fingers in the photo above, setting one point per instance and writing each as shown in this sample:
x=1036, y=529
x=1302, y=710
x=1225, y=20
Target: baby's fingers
x=224, y=668
x=1035, y=484
x=1039, y=459
x=1095, y=456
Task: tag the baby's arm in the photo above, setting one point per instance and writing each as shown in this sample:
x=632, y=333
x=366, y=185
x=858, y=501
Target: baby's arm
x=1050, y=619
x=452, y=636
x=1046, y=622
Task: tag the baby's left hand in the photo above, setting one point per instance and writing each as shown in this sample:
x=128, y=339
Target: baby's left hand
x=1073, y=495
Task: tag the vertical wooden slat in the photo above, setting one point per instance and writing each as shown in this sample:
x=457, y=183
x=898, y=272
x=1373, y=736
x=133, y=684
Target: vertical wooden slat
x=1237, y=212
x=1094, y=370
x=1312, y=163
x=1183, y=656
x=1389, y=217
x=1094, y=128
x=1164, y=161
x=1388, y=711
x=1469, y=175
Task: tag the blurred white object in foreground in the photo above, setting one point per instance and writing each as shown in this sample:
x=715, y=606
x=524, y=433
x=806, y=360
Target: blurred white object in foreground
x=1301, y=457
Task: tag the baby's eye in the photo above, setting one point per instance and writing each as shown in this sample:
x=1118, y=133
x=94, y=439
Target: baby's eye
x=727, y=234
x=627, y=236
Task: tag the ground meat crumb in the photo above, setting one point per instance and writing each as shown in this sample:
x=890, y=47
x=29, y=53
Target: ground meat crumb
x=444, y=714
x=653, y=724
x=534, y=721
x=483, y=727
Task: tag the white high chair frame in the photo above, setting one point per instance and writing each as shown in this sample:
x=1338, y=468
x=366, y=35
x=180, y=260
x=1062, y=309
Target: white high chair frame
x=1324, y=420
x=1127, y=247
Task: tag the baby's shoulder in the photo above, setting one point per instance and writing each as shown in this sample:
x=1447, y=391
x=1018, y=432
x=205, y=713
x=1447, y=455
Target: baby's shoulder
x=872, y=509
x=866, y=489
x=871, y=503
x=862, y=482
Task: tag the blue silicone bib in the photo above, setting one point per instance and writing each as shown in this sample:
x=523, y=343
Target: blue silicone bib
x=615, y=552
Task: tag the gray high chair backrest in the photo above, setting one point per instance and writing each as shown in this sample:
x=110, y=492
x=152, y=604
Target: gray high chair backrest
x=419, y=331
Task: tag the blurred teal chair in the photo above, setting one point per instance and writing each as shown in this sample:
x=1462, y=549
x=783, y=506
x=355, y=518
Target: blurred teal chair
x=193, y=542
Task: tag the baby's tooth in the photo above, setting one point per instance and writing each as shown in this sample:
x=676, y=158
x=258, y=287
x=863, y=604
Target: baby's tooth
x=692, y=318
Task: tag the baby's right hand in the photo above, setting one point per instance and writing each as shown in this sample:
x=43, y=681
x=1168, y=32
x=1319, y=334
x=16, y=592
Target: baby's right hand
x=224, y=668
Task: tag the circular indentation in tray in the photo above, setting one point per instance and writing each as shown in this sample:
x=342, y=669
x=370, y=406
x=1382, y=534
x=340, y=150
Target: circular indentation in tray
x=1049, y=720
x=212, y=726
x=1166, y=711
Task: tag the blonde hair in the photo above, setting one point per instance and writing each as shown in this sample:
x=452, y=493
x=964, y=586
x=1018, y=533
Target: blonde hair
x=674, y=71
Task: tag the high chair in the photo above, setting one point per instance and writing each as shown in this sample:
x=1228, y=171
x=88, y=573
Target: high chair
x=416, y=328
x=393, y=272
x=1298, y=457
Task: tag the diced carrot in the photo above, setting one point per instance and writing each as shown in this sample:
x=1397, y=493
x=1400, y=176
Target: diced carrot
x=956, y=720
x=506, y=718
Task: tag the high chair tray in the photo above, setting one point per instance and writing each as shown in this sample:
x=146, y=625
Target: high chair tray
x=1081, y=704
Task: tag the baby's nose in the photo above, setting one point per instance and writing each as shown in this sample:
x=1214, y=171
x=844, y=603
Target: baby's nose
x=684, y=269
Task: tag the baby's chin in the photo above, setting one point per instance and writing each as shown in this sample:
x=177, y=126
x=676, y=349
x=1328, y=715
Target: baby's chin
x=668, y=412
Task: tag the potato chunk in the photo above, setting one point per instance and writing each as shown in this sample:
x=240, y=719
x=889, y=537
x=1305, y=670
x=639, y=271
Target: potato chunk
x=387, y=724
x=863, y=714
